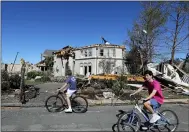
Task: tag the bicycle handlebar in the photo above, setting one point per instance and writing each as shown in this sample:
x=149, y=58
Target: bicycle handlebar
x=135, y=99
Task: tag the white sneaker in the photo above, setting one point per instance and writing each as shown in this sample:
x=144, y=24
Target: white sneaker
x=69, y=110
x=154, y=118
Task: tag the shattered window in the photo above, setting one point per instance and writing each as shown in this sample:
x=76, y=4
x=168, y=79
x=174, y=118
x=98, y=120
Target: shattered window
x=101, y=52
x=85, y=53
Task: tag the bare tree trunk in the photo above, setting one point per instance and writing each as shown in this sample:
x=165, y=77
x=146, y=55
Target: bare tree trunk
x=175, y=39
x=22, y=90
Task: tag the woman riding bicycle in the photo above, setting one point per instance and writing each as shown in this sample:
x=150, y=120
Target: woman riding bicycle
x=155, y=98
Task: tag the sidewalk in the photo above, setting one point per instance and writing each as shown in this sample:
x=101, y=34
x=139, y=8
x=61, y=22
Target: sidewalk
x=105, y=102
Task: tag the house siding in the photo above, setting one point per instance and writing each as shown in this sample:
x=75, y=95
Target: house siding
x=113, y=53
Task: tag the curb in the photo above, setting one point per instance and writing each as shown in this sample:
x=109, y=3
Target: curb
x=28, y=105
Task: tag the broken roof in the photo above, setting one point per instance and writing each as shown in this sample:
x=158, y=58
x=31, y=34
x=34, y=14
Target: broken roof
x=101, y=45
x=49, y=52
x=71, y=49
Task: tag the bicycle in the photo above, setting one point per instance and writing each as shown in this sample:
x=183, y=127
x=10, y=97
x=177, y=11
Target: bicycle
x=121, y=112
x=77, y=107
x=133, y=118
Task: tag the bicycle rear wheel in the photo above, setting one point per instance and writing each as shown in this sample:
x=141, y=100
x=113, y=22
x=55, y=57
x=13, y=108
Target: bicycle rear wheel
x=171, y=119
x=128, y=119
x=54, y=103
x=79, y=104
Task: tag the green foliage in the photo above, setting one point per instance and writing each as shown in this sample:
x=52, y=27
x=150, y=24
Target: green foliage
x=15, y=80
x=4, y=75
x=49, y=62
x=119, y=85
x=9, y=81
x=33, y=74
x=5, y=85
x=43, y=79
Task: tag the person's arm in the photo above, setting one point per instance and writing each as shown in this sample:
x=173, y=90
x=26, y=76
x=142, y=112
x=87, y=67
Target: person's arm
x=64, y=85
x=151, y=95
x=140, y=89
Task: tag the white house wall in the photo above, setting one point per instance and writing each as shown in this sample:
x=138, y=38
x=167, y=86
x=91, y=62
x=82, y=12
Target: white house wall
x=58, y=67
x=81, y=60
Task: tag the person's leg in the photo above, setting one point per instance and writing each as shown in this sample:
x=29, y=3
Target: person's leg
x=68, y=95
x=155, y=116
x=148, y=106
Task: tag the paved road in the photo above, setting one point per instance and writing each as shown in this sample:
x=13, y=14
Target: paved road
x=96, y=119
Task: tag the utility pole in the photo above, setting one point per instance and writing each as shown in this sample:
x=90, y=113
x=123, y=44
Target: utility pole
x=14, y=61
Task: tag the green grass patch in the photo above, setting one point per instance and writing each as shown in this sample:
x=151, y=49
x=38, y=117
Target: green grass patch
x=31, y=82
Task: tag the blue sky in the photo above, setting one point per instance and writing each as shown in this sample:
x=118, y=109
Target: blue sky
x=32, y=27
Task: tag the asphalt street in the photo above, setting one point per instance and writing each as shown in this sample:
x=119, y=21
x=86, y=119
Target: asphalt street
x=98, y=118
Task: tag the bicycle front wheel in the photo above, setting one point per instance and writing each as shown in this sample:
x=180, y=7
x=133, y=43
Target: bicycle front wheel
x=171, y=120
x=128, y=119
x=79, y=104
x=54, y=103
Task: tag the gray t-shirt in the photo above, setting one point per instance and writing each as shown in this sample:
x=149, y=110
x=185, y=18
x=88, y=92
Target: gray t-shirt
x=71, y=80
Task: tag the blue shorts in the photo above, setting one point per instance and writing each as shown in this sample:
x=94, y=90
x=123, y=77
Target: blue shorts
x=155, y=104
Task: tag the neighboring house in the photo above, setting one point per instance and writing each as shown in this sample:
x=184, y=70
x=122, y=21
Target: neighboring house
x=41, y=64
x=16, y=68
x=86, y=60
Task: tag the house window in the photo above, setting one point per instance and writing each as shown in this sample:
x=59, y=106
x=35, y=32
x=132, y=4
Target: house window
x=85, y=70
x=81, y=53
x=90, y=52
x=81, y=68
x=90, y=68
x=101, y=52
x=85, y=53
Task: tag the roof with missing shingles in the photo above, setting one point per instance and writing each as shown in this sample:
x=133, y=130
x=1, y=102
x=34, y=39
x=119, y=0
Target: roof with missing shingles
x=49, y=52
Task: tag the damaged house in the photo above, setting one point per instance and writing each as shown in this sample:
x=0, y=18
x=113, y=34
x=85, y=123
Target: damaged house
x=47, y=53
x=88, y=60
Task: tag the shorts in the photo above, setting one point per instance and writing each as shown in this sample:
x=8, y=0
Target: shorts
x=69, y=92
x=155, y=104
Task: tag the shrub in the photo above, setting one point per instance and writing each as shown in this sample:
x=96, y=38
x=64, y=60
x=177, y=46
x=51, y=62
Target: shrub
x=33, y=74
x=43, y=79
x=15, y=81
x=119, y=85
x=4, y=75
x=5, y=85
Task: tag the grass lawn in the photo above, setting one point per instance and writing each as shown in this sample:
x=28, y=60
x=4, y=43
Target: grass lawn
x=31, y=82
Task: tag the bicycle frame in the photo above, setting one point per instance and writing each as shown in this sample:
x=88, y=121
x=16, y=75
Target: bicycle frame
x=140, y=110
x=62, y=95
x=137, y=107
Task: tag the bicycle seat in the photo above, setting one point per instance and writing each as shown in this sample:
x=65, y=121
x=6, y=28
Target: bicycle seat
x=121, y=111
x=75, y=92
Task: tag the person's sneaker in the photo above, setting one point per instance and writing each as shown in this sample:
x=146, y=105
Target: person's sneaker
x=144, y=128
x=154, y=118
x=68, y=110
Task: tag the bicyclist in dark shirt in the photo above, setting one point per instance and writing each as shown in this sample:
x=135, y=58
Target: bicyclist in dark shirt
x=71, y=80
